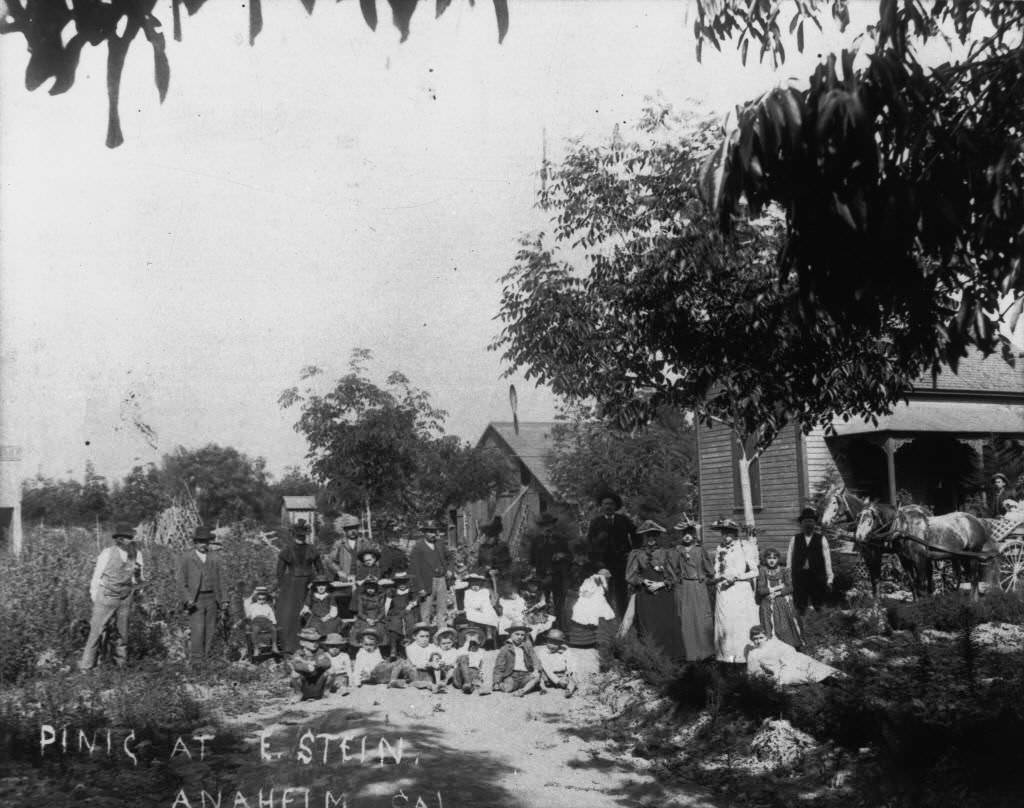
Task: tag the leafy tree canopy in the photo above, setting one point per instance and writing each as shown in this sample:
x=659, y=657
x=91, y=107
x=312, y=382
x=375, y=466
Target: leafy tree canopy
x=902, y=185
x=55, y=53
x=228, y=485
x=637, y=301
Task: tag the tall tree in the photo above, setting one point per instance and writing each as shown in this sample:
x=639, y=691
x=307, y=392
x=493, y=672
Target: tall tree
x=227, y=484
x=902, y=184
x=636, y=301
x=140, y=495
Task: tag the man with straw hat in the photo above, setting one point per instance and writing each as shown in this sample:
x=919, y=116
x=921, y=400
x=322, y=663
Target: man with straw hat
x=117, y=573
x=204, y=594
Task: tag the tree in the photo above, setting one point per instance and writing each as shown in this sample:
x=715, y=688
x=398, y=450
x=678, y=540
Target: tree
x=654, y=463
x=227, y=485
x=654, y=307
x=118, y=22
x=903, y=186
x=383, y=449
x=49, y=500
x=95, y=500
x=139, y=496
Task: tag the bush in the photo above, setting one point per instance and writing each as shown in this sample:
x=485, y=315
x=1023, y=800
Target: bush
x=952, y=611
x=640, y=656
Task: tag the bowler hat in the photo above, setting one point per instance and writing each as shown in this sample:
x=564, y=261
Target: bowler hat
x=335, y=640
x=492, y=528
x=612, y=496
x=202, y=535
x=546, y=518
x=432, y=526
x=309, y=634
x=123, y=530
x=996, y=476
x=808, y=513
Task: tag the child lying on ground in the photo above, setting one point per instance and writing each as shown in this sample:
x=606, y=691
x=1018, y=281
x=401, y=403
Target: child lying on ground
x=782, y=663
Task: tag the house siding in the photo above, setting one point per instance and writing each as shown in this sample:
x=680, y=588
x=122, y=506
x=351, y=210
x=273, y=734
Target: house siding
x=820, y=463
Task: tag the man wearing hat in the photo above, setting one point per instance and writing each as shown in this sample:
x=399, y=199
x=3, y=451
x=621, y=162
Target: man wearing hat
x=493, y=557
x=810, y=563
x=342, y=559
x=117, y=572
x=1000, y=495
x=203, y=592
x=428, y=572
x=610, y=539
x=551, y=559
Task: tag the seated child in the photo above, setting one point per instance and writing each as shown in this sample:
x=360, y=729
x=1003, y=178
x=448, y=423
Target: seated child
x=370, y=668
x=340, y=674
x=449, y=654
x=262, y=622
x=772, y=658
x=419, y=651
x=479, y=602
x=511, y=608
x=536, y=616
x=310, y=666
x=469, y=664
x=401, y=607
x=367, y=566
x=370, y=601
x=556, y=667
x=516, y=668
x=320, y=610
x=592, y=605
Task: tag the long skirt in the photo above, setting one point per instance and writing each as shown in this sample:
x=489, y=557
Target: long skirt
x=656, y=621
x=735, y=614
x=779, y=620
x=292, y=590
x=696, y=620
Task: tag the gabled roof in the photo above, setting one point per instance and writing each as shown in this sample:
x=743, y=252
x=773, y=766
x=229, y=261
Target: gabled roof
x=306, y=503
x=532, y=445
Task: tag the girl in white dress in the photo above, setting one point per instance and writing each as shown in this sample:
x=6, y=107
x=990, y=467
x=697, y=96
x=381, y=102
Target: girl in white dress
x=591, y=606
x=735, y=609
x=479, y=606
x=512, y=608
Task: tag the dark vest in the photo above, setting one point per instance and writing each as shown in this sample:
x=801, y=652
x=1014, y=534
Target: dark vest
x=809, y=551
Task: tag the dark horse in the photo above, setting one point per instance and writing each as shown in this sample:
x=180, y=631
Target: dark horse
x=959, y=537
x=845, y=508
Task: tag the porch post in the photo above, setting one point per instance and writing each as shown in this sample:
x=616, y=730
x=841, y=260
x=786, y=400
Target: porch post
x=890, y=467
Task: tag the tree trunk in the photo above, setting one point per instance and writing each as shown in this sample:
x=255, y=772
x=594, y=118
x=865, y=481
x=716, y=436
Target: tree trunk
x=747, y=455
x=369, y=522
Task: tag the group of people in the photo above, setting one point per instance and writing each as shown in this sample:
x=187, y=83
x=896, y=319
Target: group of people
x=362, y=614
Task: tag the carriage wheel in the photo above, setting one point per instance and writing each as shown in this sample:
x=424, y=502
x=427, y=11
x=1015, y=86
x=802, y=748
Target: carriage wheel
x=1011, y=567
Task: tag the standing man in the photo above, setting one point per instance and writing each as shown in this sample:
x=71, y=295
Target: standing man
x=551, y=560
x=117, y=572
x=610, y=539
x=999, y=496
x=810, y=563
x=342, y=558
x=204, y=595
x=428, y=569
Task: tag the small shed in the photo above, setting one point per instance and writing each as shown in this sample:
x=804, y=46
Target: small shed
x=299, y=507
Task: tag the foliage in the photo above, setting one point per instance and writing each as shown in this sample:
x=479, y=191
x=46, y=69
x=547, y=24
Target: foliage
x=385, y=446
x=66, y=502
x=951, y=612
x=655, y=462
x=117, y=23
x=638, y=302
x=903, y=186
x=140, y=496
x=227, y=485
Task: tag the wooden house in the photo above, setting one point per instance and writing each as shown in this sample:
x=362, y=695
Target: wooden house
x=529, y=490
x=299, y=507
x=926, y=447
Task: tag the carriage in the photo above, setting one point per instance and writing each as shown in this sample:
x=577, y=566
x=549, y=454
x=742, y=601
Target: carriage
x=1008, y=533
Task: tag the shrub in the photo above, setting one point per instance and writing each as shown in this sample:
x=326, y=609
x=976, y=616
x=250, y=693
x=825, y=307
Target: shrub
x=952, y=611
x=640, y=656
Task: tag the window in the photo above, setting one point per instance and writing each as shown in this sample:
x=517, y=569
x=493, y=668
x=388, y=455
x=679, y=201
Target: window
x=755, y=480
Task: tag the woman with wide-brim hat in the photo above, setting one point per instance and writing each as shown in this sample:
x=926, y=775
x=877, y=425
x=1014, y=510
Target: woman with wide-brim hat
x=647, y=571
x=297, y=564
x=692, y=570
x=735, y=609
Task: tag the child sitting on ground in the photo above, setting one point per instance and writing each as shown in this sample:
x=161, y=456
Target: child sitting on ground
x=310, y=666
x=469, y=664
x=445, y=640
x=262, y=628
x=536, y=616
x=556, y=668
x=419, y=651
x=340, y=674
x=516, y=668
x=370, y=668
x=401, y=606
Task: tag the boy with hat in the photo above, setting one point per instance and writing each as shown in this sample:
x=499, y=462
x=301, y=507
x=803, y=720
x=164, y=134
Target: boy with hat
x=428, y=571
x=399, y=614
x=516, y=668
x=556, y=667
x=204, y=595
x=340, y=673
x=262, y=628
x=370, y=668
x=117, y=572
x=310, y=666
x=810, y=563
x=469, y=664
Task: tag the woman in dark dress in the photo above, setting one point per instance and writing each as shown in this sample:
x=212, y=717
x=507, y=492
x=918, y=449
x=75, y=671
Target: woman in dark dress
x=647, y=571
x=297, y=564
x=774, y=595
x=692, y=570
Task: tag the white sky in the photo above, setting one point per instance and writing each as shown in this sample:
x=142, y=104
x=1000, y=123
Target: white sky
x=324, y=190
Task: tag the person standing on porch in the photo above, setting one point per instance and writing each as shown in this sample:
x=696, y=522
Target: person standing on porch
x=428, y=571
x=810, y=563
x=610, y=539
x=117, y=572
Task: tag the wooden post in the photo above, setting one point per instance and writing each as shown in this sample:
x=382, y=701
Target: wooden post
x=890, y=466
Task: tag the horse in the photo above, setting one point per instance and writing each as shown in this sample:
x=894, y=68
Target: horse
x=958, y=536
x=875, y=535
x=845, y=507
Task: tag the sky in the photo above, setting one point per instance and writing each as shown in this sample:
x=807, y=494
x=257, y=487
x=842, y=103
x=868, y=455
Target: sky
x=324, y=190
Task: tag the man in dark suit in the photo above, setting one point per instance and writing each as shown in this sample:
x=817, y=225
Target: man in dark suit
x=610, y=538
x=204, y=594
x=810, y=563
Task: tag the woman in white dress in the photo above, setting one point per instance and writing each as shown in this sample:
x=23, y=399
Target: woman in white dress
x=735, y=609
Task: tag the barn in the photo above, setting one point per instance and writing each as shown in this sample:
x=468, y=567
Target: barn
x=929, y=447
x=530, y=491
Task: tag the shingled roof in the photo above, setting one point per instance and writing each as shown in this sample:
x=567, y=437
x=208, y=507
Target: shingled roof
x=301, y=503
x=977, y=374
x=532, y=445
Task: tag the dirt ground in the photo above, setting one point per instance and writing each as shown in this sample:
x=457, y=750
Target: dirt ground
x=379, y=748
